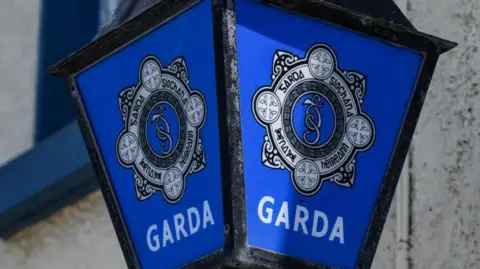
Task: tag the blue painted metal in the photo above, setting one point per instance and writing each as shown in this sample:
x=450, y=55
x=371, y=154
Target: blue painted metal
x=65, y=26
x=56, y=172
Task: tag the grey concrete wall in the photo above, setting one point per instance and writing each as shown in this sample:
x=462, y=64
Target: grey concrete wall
x=446, y=171
x=446, y=149
x=386, y=250
x=446, y=153
x=77, y=237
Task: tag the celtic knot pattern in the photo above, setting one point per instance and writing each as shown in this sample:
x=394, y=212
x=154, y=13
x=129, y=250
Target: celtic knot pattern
x=125, y=99
x=281, y=63
x=179, y=67
x=346, y=177
x=357, y=84
x=270, y=156
x=198, y=159
x=143, y=189
x=321, y=63
x=268, y=107
x=307, y=175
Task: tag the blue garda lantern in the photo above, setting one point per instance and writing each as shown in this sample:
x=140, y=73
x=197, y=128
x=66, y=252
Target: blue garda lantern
x=257, y=133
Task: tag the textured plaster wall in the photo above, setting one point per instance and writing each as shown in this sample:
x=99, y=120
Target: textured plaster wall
x=446, y=153
x=77, y=237
x=385, y=257
x=446, y=205
x=445, y=174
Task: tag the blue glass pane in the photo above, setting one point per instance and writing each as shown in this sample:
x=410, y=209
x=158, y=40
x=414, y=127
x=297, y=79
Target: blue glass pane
x=153, y=109
x=321, y=111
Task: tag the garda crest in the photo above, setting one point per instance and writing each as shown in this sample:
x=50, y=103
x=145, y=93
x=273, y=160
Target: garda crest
x=312, y=113
x=161, y=138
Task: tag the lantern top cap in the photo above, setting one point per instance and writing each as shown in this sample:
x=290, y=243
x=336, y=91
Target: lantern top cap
x=135, y=18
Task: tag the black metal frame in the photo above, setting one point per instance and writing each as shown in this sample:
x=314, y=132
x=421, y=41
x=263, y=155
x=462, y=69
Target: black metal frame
x=236, y=251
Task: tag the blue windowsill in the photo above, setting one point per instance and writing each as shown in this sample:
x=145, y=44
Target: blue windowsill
x=55, y=173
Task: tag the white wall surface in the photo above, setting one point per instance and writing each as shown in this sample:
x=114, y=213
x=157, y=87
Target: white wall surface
x=445, y=172
x=18, y=65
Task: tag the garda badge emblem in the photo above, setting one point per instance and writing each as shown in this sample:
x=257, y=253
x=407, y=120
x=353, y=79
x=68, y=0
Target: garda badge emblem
x=161, y=138
x=312, y=113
